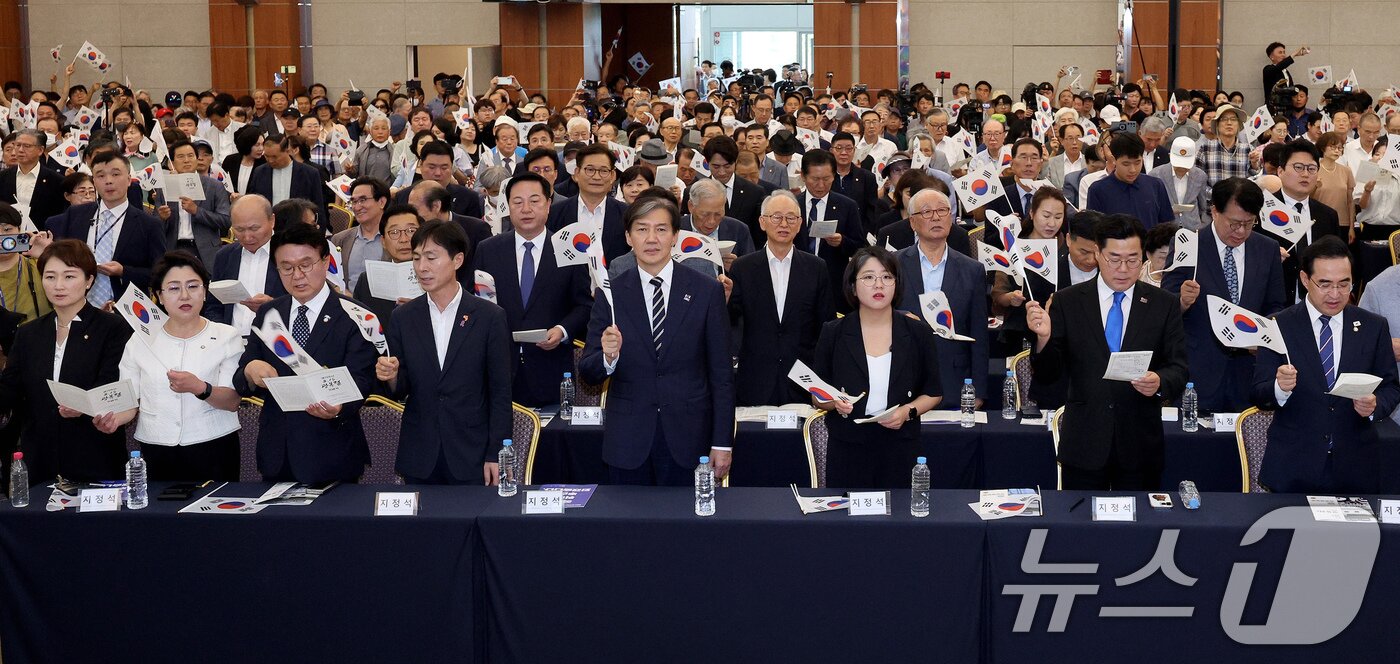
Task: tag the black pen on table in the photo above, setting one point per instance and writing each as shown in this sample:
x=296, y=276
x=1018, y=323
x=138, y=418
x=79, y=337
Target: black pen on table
x=1077, y=503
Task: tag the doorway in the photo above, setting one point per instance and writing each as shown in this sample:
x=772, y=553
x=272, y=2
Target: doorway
x=751, y=36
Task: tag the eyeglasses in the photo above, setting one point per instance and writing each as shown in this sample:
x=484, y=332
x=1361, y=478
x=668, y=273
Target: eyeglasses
x=943, y=125
x=1121, y=263
x=930, y=213
x=1343, y=286
x=1237, y=226
x=595, y=171
x=1303, y=169
x=872, y=279
x=304, y=268
x=405, y=233
x=361, y=200
x=784, y=219
x=172, y=290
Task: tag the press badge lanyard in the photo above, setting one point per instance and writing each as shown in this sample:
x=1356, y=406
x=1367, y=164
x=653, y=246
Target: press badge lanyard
x=98, y=240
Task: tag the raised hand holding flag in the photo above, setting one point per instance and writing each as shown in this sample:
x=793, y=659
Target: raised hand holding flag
x=278, y=338
x=939, y=315
x=1237, y=327
x=571, y=243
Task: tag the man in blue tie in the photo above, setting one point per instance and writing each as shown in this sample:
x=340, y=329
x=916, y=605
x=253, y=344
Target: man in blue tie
x=1111, y=430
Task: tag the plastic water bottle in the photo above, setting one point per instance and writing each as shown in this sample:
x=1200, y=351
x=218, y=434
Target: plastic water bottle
x=566, y=397
x=969, y=404
x=136, y=482
x=509, y=483
x=19, y=482
x=1190, y=497
x=1008, y=396
x=1189, y=420
x=918, y=498
x=704, y=488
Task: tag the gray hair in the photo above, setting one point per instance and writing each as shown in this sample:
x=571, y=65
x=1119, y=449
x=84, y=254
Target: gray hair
x=41, y=137
x=780, y=194
x=577, y=122
x=492, y=177
x=1153, y=123
x=937, y=111
x=927, y=191
x=704, y=190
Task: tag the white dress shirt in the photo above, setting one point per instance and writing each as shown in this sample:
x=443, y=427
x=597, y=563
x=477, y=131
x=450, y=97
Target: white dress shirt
x=221, y=141
x=442, y=320
x=1316, y=326
x=174, y=419
x=649, y=292
x=1084, y=182
x=1078, y=276
x=1179, y=184
x=819, y=216
x=313, y=311
x=780, y=271
x=24, y=185
x=595, y=215
x=59, y=348
x=1106, y=303
x=1074, y=166
x=878, y=398
x=252, y=273
x=118, y=213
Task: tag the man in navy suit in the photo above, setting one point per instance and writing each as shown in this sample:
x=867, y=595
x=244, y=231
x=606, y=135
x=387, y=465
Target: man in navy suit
x=742, y=198
x=929, y=265
x=1025, y=167
x=706, y=205
x=282, y=178
x=820, y=203
x=671, y=399
x=595, y=170
x=126, y=241
x=435, y=165
x=45, y=196
x=450, y=358
x=1319, y=443
x=325, y=442
x=1234, y=264
x=1298, y=176
x=248, y=261
x=536, y=292
x=854, y=183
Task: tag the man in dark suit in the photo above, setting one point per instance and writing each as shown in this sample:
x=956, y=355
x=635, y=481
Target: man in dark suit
x=1111, y=431
x=450, y=359
x=325, y=442
x=248, y=261
x=595, y=171
x=1319, y=443
x=536, y=292
x=282, y=178
x=196, y=226
x=1299, y=175
x=781, y=298
x=126, y=241
x=42, y=190
x=705, y=201
x=1234, y=264
x=930, y=265
x=743, y=199
x=664, y=340
x=853, y=182
x=435, y=165
x=821, y=203
x=1025, y=167
x=434, y=203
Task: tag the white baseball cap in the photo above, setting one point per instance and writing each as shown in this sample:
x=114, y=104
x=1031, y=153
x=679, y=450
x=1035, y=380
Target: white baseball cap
x=1183, y=153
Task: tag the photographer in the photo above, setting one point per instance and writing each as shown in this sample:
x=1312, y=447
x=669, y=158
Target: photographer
x=1277, y=69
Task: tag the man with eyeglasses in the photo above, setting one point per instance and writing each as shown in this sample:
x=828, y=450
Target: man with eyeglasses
x=363, y=241
x=249, y=261
x=855, y=183
x=1234, y=264
x=706, y=217
x=595, y=170
x=928, y=266
x=1111, y=431
x=782, y=297
x=1320, y=442
x=1025, y=168
x=435, y=165
x=1299, y=176
x=29, y=184
x=821, y=204
x=325, y=442
x=1224, y=154
x=743, y=198
x=195, y=226
x=535, y=291
x=434, y=203
x=993, y=140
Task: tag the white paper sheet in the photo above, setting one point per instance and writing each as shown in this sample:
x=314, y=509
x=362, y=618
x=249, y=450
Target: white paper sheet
x=529, y=336
x=229, y=291
x=109, y=398
x=1128, y=365
x=1355, y=385
x=822, y=229
x=333, y=386
x=183, y=185
x=391, y=281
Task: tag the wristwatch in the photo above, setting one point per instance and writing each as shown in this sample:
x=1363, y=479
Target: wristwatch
x=913, y=413
x=208, y=390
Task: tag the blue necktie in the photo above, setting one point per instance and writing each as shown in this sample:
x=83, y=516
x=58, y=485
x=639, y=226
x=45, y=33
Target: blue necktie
x=527, y=273
x=301, y=327
x=1025, y=206
x=1113, y=327
x=1324, y=348
x=1232, y=275
x=102, y=290
x=812, y=219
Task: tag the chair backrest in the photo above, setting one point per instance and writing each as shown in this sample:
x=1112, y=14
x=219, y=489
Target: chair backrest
x=815, y=436
x=1252, y=436
x=340, y=218
x=1021, y=374
x=381, y=419
x=975, y=235
x=524, y=436
x=1395, y=248
x=585, y=394
x=249, y=412
x=1055, y=439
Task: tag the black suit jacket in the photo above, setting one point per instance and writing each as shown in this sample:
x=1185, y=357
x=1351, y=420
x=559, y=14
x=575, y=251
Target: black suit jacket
x=914, y=372
x=848, y=224
x=478, y=231
x=1324, y=223
x=770, y=346
x=226, y=264
x=859, y=186
x=1223, y=376
x=964, y=284
x=233, y=165
x=559, y=296
x=460, y=411
x=1101, y=415
x=465, y=202
x=1005, y=205
x=47, y=199
x=140, y=245
x=1317, y=442
x=565, y=211
x=306, y=184
x=897, y=233
x=746, y=205
x=313, y=449
x=52, y=444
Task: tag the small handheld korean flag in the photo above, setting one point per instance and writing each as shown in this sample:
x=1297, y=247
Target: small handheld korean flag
x=956, y=105
x=68, y=154
x=278, y=338
x=690, y=244
x=810, y=140
x=1091, y=133
x=218, y=173
x=1257, y=124
x=968, y=143
x=141, y=313
x=571, y=243
x=1326, y=124
x=639, y=64
x=93, y=57
x=1041, y=257
x=1280, y=221
x=598, y=276
x=1350, y=80
x=341, y=145
x=978, y=188
x=1042, y=104
x=1186, y=245
x=1238, y=327
x=1320, y=75
x=371, y=328
x=939, y=315
x=918, y=161
x=995, y=259
x=819, y=389
x=341, y=186
x=624, y=155
x=485, y=286
x=57, y=54
x=463, y=117
x=150, y=178
x=699, y=165
x=335, y=268
x=1173, y=108
x=1390, y=160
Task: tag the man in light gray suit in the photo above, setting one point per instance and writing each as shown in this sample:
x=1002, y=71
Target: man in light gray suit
x=1070, y=160
x=1186, y=184
x=197, y=226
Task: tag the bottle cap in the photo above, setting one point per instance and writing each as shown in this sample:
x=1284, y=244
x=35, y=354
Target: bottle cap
x=19, y=455
x=568, y=374
x=505, y=443
x=1190, y=386
x=967, y=381
x=922, y=460
x=1194, y=503
x=136, y=454
x=1010, y=373
x=704, y=459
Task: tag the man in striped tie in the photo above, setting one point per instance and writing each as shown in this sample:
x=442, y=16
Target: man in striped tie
x=1323, y=437
x=671, y=399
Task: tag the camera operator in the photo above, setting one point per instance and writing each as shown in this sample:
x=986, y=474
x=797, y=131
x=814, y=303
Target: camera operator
x=1277, y=69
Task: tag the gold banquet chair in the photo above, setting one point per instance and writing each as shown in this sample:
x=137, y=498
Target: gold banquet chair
x=249, y=414
x=815, y=437
x=585, y=394
x=340, y=217
x=1252, y=436
x=525, y=438
x=381, y=419
x=1055, y=439
x=1021, y=376
x=975, y=235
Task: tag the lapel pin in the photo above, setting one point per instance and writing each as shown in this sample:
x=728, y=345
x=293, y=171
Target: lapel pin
x=1355, y=325
x=326, y=318
x=1142, y=299
x=687, y=297
x=465, y=318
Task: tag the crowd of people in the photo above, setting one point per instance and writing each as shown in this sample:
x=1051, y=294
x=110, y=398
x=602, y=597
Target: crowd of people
x=818, y=220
